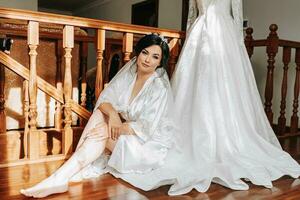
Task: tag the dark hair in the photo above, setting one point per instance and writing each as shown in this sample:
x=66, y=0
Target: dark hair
x=152, y=39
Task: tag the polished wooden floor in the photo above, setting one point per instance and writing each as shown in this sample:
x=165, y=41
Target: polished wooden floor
x=12, y=179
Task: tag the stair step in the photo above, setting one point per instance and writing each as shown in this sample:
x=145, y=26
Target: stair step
x=13, y=152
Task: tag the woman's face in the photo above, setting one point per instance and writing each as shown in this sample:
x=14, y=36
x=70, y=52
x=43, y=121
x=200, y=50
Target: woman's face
x=149, y=59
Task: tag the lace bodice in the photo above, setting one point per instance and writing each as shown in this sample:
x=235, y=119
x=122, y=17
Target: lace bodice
x=234, y=8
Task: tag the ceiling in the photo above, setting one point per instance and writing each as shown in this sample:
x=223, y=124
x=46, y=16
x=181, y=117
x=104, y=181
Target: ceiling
x=65, y=5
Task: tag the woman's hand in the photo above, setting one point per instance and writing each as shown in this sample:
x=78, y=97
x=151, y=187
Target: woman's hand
x=124, y=129
x=115, y=124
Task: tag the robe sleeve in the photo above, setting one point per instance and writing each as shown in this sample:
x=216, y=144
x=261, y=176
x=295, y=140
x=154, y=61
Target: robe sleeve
x=111, y=93
x=237, y=12
x=149, y=119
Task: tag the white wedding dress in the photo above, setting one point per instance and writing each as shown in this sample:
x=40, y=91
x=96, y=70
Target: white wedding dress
x=226, y=137
x=218, y=105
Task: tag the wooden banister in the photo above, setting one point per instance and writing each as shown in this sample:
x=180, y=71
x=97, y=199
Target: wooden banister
x=22, y=71
x=174, y=52
x=33, y=137
x=60, y=29
x=286, y=58
x=287, y=43
x=272, y=44
x=44, y=35
x=272, y=49
x=58, y=83
x=26, y=116
x=83, y=51
x=33, y=41
x=68, y=45
x=295, y=118
x=83, y=68
x=127, y=46
x=100, y=46
x=81, y=111
x=2, y=100
x=84, y=22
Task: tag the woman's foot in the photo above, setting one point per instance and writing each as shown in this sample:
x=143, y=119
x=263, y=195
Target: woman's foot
x=47, y=187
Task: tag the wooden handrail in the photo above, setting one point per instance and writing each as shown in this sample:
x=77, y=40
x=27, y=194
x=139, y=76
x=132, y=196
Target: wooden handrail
x=22, y=71
x=84, y=22
x=288, y=43
x=44, y=35
x=282, y=43
x=259, y=43
x=264, y=42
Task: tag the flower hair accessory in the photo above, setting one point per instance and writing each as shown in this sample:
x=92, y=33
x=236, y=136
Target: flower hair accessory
x=161, y=37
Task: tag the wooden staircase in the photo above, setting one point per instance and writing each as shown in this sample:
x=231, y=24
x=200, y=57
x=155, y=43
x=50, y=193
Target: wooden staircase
x=47, y=137
x=43, y=85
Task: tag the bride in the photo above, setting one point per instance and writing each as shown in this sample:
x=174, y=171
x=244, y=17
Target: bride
x=130, y=119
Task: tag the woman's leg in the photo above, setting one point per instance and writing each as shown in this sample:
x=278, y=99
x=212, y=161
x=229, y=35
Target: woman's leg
x=91, y=145
x=101, y=163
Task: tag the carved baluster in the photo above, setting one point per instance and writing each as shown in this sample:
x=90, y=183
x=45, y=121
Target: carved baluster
x=108, y=54
x=2, y=100
x=295, y=118
x=100, y=46
x=286, y=58
x=68, y=44
x=26, y=115
x=33, y=41
x=83, y=68
x=58, y=81
x=248, y=41
x=127, y=46
x=174, y=52
x=272, y=49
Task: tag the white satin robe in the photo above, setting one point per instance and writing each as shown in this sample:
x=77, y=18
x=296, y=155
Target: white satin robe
x=147, y=116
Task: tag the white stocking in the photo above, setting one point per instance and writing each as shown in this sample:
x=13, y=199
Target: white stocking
x=90, y=147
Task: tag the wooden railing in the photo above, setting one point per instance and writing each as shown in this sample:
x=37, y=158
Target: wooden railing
x=272, y=45
x=63, y=93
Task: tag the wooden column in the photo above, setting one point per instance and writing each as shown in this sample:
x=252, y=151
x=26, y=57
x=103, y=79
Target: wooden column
x=286, y=58
x=2, y=100
x=33, y=41
x=100, y=46
x=68, y=44
x=295, y=118
x=83, y=84
x=272, y=49
x=58, y=119
x=26, y=115
x=174, y=52
x=83, y=68
x=248, y=41
x=107, y=59
x=127, y=46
